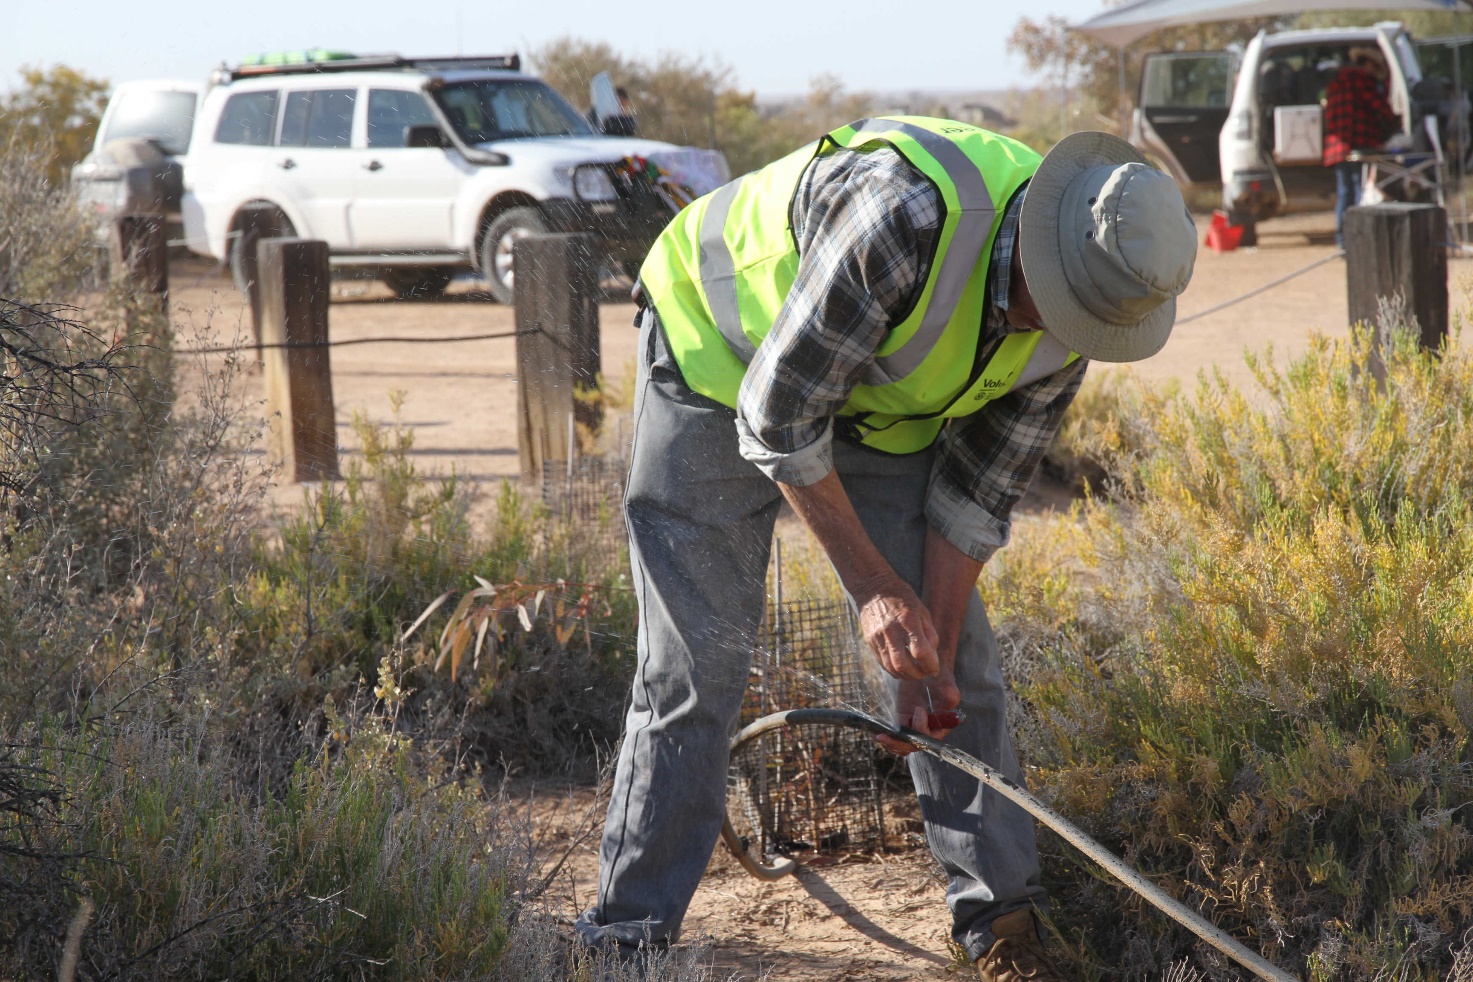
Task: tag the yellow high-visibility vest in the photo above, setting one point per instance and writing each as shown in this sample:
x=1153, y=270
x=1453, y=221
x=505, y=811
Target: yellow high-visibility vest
x=720, y=272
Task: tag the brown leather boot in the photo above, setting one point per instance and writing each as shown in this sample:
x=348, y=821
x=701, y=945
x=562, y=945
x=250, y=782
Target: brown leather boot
x=1017, y=954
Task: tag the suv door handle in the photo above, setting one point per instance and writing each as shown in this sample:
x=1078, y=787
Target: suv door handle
x=286, y=164
x=373, y=165
x=1181, y=118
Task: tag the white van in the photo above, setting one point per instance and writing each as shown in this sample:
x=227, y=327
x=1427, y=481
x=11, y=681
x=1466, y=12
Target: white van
x=412, y=169
x=1252, y=123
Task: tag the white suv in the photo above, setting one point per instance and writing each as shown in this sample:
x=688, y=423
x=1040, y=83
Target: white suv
x=417, y=168
x=1252, y=122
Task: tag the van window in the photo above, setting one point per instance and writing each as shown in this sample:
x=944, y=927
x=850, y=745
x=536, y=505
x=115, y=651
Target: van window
x=1187, y=81
x=165, y=117
x=391, y=112
x=1299, y=75
x=249, y=118
x=318, y=118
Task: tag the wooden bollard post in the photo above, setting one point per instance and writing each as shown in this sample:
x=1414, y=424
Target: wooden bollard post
x=256, y=223
x=557, y=304
x=140, y=255
x=1397, y=249
x=294, y=294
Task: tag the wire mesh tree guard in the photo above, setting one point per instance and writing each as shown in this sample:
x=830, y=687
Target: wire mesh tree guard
x=586, y=490
x=812, y=789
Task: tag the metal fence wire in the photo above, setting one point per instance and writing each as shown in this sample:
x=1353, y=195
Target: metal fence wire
x=812, y=789
x=587, y=493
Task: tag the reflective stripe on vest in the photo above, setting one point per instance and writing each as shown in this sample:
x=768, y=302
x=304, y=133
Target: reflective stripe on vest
x=1050, y=356
x=1018, y=360
x=718, y=272
x=973, y=223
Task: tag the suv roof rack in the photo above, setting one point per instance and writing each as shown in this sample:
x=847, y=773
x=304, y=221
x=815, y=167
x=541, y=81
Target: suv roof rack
x=511, y=63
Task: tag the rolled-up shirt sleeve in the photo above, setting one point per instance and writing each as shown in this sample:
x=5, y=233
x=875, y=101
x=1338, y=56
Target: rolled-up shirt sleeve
x=988, y=459
x=865, y=227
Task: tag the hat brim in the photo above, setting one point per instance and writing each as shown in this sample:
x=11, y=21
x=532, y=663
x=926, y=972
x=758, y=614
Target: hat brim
x=1043, y=264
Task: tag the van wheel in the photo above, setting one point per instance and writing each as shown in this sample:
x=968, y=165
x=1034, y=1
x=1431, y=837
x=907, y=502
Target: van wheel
x=418, y=282
x=254, y=223
x=496, y=249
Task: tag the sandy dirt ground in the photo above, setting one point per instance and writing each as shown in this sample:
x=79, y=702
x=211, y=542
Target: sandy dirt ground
x=869, y=920
x=857, y=918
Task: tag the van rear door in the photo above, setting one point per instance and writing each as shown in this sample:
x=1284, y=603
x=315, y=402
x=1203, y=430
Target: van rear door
x=1183, y=105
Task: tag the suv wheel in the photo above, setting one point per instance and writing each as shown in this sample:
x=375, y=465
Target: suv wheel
x=418, y=282
x=254, y=223
x=496, y=249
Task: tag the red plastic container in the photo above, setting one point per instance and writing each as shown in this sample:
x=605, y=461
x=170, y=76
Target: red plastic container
x=1222, y=237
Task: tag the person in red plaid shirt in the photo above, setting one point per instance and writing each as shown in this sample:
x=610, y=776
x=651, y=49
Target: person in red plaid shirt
x=1357, y=117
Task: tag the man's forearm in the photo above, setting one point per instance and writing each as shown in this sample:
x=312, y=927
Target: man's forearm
x=949, y=580
x=829, y=514
x=891, y=616
x=914, y=641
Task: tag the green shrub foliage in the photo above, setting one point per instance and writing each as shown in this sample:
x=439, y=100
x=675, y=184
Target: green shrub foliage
x=179, y=779
x=362, y=867
x=1252, y=673
x=219, y=758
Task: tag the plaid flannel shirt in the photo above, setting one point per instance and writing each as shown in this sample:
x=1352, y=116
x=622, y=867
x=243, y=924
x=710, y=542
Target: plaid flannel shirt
x=1357, y=115
x=866, y=223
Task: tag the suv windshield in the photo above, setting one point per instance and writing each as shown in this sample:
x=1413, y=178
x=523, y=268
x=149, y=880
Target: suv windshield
x=497, y=109
x=166, y=117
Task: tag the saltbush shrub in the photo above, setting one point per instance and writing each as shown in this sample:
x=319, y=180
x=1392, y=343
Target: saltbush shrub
x=362, y=866
x=1250, y=674
x=329, y=597
x=218, y=758
x=181, y=791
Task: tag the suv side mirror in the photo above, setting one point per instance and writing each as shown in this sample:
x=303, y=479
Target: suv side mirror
x=425, y=135
x=618, y=126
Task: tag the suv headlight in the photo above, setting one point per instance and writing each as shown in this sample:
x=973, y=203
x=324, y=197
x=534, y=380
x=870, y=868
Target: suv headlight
x=591, y=182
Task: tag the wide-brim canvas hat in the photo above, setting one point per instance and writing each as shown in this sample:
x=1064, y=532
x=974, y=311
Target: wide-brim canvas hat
x=1107, y=245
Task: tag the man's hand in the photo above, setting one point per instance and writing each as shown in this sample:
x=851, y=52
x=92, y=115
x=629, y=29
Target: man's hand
x=912, y=709
x=898, y=628
x=894, y=621
x=913, y=638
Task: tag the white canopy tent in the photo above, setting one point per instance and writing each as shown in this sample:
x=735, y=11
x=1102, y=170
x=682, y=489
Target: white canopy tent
x=1134, y=20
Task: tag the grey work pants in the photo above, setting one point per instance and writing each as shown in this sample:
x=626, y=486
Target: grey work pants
x=700, y=521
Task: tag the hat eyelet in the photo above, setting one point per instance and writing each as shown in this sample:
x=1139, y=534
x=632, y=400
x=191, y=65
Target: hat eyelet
x=1093, y=200
x=1089, y=234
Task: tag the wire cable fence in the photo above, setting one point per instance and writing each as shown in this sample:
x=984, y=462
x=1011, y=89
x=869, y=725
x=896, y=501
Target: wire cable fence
x=497, y=335
x=345, y=342
x=1337, y=254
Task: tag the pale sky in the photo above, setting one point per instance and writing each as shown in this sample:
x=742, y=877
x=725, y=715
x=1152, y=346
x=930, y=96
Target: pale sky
x=775, y=46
